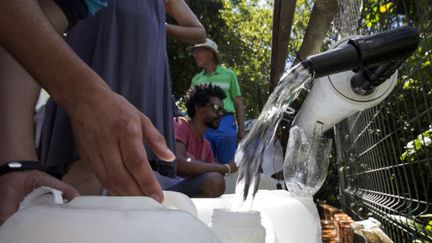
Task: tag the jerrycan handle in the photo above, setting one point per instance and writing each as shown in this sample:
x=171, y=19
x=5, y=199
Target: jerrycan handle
x=176, y=200
x=42, y=196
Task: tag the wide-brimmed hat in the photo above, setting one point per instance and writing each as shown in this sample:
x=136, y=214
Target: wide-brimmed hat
x=207, y=44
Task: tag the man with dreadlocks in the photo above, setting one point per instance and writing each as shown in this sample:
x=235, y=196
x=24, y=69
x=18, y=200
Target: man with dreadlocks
x=198, y=173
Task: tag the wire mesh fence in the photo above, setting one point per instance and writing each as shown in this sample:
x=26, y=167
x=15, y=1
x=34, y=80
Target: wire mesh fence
x=385, y=153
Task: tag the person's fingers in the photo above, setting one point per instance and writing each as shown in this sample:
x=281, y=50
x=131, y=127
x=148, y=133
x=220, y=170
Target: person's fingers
x=5, y=215
x=39, y=179
x=119, y=179
x=12, y=192
x=16, y=185
x=135, y=158
x=114, y=146
x=93, y=158
x=155, y=140
x=106, y=162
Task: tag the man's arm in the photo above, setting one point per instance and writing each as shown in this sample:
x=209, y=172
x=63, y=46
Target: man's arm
x=108, y=130
x=31, y=38
x=187, y=167
x=18, y=96
x=240, y=113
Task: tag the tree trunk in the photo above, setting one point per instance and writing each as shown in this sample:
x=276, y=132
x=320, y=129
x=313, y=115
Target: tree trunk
x=283, y=15
x=322, y=14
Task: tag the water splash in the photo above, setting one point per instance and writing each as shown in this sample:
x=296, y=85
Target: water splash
x=251, y=150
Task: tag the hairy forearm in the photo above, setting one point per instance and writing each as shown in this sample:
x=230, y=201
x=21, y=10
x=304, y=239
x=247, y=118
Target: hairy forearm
x=30, y=37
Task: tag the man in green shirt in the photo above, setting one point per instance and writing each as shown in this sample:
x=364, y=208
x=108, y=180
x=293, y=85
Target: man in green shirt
x=224, y=139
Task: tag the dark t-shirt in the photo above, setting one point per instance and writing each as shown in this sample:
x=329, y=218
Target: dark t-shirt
x=125, y=44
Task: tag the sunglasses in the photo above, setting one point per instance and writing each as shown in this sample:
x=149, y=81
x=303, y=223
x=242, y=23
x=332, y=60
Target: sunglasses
x=216, y=108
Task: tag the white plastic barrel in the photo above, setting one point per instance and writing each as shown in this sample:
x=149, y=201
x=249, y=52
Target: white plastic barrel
x=286, y=219
x=45, y=219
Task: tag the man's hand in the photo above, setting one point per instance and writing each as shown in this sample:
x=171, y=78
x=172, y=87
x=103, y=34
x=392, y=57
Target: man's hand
x=15, y=186
x=110, y=134
x=233, y=167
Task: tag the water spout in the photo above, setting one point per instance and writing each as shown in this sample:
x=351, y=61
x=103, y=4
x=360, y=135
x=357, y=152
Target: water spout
x=356, y=75
x=383, y=47
x=337, y=94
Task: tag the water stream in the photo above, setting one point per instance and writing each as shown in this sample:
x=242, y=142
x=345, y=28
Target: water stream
x=250, y=151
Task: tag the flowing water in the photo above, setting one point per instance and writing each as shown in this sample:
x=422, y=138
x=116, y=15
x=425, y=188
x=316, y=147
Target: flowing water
x=250, y=151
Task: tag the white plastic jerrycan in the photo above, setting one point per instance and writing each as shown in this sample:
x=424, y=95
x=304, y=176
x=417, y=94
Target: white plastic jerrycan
x=44, y=218
x=286, y=218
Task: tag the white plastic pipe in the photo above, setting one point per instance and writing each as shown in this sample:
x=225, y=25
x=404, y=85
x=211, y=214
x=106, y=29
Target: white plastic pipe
x=332, y=99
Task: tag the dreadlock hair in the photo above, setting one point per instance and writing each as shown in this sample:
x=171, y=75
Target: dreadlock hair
x=200, y=95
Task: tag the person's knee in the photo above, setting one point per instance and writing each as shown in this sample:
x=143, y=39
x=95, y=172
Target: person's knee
x=214, y=186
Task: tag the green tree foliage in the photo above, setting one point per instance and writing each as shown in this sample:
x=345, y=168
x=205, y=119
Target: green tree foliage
x=409, y=109
x=416, y=148
x=300, y=23
x=250, y=27
x=415, y=76
x=181, y=62
x=242, y=30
